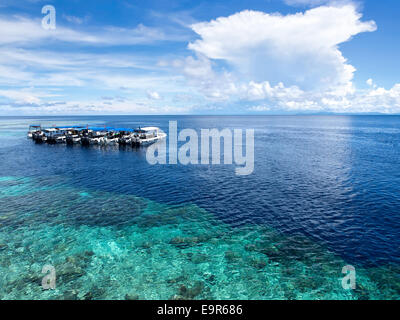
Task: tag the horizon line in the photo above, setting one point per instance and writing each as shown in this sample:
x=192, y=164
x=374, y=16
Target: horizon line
x=207, y=115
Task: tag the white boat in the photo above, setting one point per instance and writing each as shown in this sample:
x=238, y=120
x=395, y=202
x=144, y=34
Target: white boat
x=96, y=140
x=147, y=135
x=56, y=135
x=92, y=137
x=125, y=139
x=73, y=135
x=39, y=137
x=47, y=135
x=106, y=141
x=73, y=139
x=125, y=136
x=97, y=137
x=32, y=130
x=111, y=138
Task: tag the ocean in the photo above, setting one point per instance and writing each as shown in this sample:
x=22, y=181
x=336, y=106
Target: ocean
x=324, y=194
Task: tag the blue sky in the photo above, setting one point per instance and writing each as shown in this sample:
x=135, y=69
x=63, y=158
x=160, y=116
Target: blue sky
x=200, y=57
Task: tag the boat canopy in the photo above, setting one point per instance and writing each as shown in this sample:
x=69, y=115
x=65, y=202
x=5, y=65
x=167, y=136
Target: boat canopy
x=79, y=128
x=150, y=129
x=101, y=128
x=124, y=129
x=69, y=127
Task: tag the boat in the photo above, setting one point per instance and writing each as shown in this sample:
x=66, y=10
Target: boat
x=85, y=136
x=126, y=136
x=39, y=137
x=73, y=137
x=111, y=138
x=147, y=136
x=93, y=136
x=96, y=139
x=96, y=135
x=49, y=135
x=33, y=129
x=56, y=135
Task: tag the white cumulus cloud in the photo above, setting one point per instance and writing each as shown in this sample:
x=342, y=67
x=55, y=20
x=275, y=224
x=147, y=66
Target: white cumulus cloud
x=285, y=62
x=297, y=49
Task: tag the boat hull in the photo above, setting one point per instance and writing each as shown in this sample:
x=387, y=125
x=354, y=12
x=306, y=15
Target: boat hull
x=139, y=142
x=73, y=140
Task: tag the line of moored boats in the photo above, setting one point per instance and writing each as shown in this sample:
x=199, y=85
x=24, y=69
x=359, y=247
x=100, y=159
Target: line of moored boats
x=86, y=135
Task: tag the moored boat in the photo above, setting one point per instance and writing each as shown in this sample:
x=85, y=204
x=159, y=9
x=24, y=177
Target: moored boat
x=34, y=129
x=55, y=135
x=73, y=139
x=39, y=137
x=93, y=136
x=96, y=135
x=147, y=135
x=73, y=136
x=111, y=138
x=126, y=136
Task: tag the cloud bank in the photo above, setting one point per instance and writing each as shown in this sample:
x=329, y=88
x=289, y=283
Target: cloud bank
x=300, y=49
x=289, y=62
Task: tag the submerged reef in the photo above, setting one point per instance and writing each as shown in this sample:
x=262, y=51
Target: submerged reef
x=115, y=246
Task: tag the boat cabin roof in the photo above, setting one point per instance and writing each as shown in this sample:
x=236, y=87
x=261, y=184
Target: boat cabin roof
x=147, y=129
x=150, y=129
x=124, y=129
x=70, y=127
x=100, y=128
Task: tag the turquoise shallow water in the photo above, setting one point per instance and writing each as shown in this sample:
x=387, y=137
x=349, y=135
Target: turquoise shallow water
x=109, y=246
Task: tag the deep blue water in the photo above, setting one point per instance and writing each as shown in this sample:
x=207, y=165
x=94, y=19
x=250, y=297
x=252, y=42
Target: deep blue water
x=334, y=180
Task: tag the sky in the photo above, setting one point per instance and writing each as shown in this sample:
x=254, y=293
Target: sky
x=199, y=57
